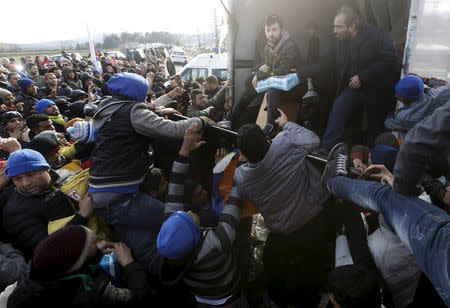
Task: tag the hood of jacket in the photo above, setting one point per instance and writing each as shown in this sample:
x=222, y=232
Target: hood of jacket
x=284, y=37
x=106, y=109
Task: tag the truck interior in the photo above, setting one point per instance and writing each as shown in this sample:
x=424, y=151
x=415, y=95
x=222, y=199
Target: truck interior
x=418, y=28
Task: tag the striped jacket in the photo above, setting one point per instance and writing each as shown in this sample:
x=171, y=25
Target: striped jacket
x=212, y=272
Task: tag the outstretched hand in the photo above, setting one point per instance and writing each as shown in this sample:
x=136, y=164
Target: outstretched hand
x=380, y=172
x=191, y=141
x=281, y=120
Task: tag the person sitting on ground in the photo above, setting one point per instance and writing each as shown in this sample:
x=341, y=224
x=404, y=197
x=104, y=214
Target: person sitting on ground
x=49, y=108
x=33, y=202
x=204, y=259
x=61, y=275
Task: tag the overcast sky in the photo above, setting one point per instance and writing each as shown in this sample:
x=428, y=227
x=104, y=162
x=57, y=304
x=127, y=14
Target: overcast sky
x=49, y=20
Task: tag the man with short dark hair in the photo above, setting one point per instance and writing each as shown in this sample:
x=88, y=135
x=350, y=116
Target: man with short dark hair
x=211, y=86
x=13, y=80
x=281, y=56
x=365, y=71
x=352, y=286
x=33, y=74
x=201, y=106
x=296, y=209
x=38, y=123
x=53, y=88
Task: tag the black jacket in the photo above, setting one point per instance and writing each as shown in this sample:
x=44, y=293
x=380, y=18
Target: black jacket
x=370, y=55
x=26, y=218
x=125, y=132
x=430, y=138
x=281, y=59
x=121, y=154
x=71, y=293
x=28, y=102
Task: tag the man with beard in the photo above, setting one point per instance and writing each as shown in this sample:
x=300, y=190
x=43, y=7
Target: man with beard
x=281, y=55
x=365, y=74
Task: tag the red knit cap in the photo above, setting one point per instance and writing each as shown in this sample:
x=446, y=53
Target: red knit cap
x=62, y=252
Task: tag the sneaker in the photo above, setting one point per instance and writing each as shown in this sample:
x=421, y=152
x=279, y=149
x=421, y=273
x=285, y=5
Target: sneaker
x=337, y=164
x=321, y=152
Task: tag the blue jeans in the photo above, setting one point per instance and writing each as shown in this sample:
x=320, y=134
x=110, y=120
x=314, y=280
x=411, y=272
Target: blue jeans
x=139, y=211
x=421, y=226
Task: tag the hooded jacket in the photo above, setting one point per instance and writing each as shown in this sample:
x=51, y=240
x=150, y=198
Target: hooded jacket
x=407, y=116
x=126, y=128
x=284, y=184
x=75, y=83
x=282, y=58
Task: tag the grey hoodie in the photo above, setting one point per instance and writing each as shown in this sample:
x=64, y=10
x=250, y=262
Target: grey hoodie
x=284, y=184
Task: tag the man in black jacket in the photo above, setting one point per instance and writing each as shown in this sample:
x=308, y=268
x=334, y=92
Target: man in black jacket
x=427, y=140
x=281, y=56
x=365, y=75
x=33, y=201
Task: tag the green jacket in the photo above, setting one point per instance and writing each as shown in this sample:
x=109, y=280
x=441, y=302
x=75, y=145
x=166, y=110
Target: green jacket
x=215, y=102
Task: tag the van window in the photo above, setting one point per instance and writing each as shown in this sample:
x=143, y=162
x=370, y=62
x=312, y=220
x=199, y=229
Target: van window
x=198, y=72
x=178, y=53
x=220, y=73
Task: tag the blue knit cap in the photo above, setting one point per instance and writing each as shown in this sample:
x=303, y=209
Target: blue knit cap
x=178, y=236
x=25, y=83
x=43, y=104
x=384, y=155
x=129, y=85
x=410, y=87
x=25, y=161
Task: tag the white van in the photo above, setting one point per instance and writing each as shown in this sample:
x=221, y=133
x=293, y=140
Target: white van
x=204, y=65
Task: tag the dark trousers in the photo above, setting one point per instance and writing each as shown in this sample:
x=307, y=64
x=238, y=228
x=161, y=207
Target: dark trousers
x=276, y=97
x=297, y=264
x=349, y=102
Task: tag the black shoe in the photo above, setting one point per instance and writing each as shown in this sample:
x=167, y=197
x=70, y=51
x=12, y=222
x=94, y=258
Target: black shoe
x=337, y=164
x=321, y=152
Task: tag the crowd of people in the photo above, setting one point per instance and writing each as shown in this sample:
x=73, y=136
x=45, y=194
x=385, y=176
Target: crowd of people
x=103, y=204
